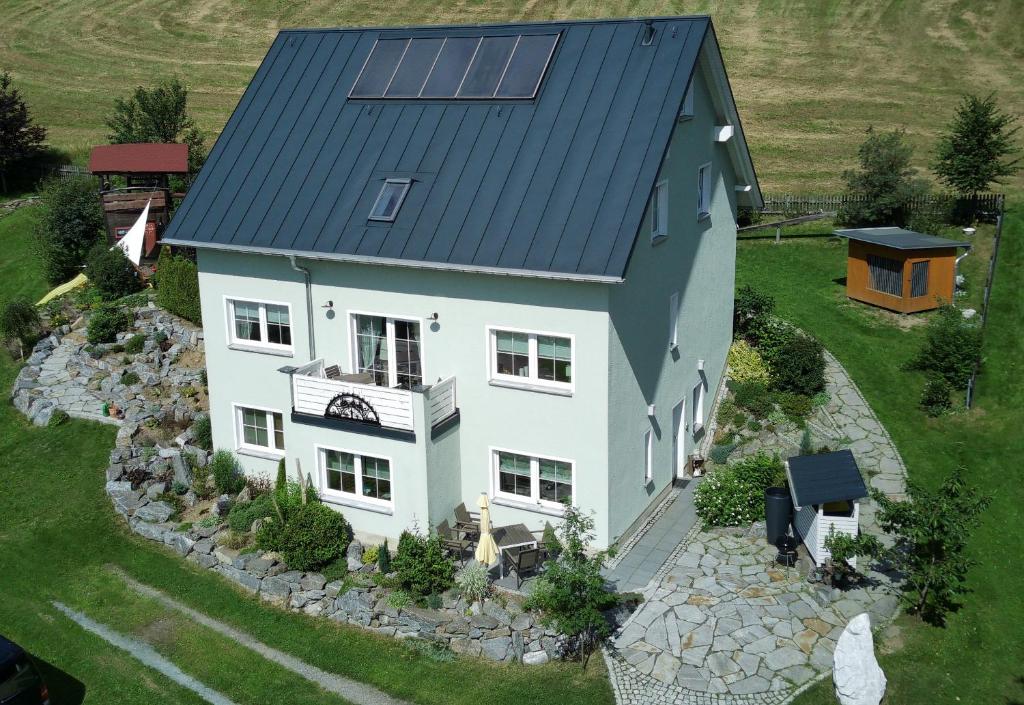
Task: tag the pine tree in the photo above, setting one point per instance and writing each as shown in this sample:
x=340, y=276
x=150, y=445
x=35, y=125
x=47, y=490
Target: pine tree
x=19, y=138
x=978, y=149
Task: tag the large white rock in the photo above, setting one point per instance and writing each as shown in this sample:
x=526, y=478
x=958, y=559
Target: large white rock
x=858, y=678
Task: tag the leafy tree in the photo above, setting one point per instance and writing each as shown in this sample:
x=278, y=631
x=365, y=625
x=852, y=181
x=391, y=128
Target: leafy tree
x=70, y=225
x=932, y=530
x=19, y=320
x=19, y=137
x=570, y=595
x=951, y=347
x=978, y=148
x=112, y=273
x=884, y=182
x=843, y=548
x=158, y=114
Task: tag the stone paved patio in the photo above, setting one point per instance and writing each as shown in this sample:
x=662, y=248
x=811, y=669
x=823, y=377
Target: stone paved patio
x=722, y=625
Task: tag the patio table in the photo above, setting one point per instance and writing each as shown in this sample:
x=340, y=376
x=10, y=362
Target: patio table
x=512, y=536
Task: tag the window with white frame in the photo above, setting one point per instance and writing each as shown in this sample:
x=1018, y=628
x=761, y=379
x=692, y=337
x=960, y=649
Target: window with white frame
x=698, y=406
x=260, y=429
x=260, y=324
x=704, y=191
x=648, y=455
x=673, y=321
x=531, y=358
x=659, y=210
x=528, y=478
x=355, y=476
x=388, y=349
x=389, y=200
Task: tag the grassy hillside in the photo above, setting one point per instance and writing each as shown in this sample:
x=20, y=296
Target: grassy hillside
x=809, y=75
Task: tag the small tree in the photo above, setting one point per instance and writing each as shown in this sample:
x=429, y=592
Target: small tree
x=571, y=595
x=884, y=183
x=158, y=114
x=384, y=558
x=751, y=312
x=70, y=225
x=112, y=273
x=20, y=139
x=977, y=149
x=951, y=347
x=931, y=531
x=843, y=548
x=19, y=320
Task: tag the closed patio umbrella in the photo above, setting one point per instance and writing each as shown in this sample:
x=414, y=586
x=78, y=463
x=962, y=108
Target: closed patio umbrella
x=486, y=549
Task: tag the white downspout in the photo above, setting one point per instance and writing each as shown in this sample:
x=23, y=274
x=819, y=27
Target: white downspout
x=309, y=305
x=956, y=265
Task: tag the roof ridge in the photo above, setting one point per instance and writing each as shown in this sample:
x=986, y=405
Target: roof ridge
x=489, y=25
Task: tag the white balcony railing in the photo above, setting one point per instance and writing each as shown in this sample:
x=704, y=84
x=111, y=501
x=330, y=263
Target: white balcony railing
x=441, y=401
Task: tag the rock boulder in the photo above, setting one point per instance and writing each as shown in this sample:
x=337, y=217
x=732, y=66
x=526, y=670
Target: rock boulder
x=858, y=678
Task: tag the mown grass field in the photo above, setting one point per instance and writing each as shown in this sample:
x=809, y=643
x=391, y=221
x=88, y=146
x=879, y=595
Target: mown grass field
x=809, y=75
x=979, y=656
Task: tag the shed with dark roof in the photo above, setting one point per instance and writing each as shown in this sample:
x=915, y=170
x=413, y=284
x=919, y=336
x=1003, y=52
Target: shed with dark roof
x=900, y=270
x=825, y=489
x=136, y=159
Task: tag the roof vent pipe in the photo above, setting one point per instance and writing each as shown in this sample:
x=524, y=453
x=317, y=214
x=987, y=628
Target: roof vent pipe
x=309, y=306
x=648, y=33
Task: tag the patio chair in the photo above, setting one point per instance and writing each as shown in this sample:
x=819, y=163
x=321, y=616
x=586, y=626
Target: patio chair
x=522, y=561
x=466, y=521
x=453, y=542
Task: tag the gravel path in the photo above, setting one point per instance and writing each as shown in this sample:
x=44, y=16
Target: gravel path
x=146, y=654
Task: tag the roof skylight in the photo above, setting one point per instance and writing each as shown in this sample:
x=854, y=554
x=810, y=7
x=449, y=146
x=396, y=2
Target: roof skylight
x=462, y=68
x=389, y=200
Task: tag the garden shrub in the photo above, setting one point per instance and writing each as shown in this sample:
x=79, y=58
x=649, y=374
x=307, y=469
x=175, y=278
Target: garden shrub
x=111, y=273
x=177, y=286
x=755, y=397
x=422, y=566
x=796, y=407
x=370, y=555
x=951, y=348
x=202, y=433
x=70, y=224
x=799, y=366
x=129, y=378
x=227, y=475
x=134, y=345
x=314, y=536
x=775, y=335
x=734, y=495
x=720, y=453
x=473, y=583
x=242, y=515
x=746, y=365
x=935, y=397
x=752, y=312
x=105, y=323
x=19, y=320
x=384, y=558
x=58, y=417
x=726, y=412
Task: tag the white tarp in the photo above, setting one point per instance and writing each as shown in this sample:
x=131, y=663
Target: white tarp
x=131, y=243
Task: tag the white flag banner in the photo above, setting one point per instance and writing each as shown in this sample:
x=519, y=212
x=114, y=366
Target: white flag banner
x=131, y=243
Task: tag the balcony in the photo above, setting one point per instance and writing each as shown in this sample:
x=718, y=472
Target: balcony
x=353, y=402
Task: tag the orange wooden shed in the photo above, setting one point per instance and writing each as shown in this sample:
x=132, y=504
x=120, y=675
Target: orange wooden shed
x=900, y=270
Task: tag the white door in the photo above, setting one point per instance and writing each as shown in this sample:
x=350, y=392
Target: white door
x=679, y=440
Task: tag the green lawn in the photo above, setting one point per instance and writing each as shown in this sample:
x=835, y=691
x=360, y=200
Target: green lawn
x=17, y=276
x=809, y=75
x=979, y=656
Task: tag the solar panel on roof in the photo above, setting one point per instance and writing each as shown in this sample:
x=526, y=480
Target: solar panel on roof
x=505, y=66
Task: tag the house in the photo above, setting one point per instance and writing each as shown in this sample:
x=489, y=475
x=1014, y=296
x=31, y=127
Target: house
x=440, y=261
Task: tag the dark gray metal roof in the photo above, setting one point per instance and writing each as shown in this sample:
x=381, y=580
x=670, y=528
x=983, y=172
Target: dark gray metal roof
x=825, y=477
x=899, y=239
x=557, y=184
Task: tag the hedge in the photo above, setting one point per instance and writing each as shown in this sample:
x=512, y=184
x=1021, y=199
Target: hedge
x=177, y=286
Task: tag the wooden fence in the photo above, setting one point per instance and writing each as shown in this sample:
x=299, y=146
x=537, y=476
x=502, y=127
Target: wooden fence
x=938, y=204
x=989, y=279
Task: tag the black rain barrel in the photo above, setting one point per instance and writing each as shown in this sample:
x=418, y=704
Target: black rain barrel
x=778, y=510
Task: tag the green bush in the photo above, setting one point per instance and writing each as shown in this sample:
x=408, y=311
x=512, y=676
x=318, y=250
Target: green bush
x=935, y=397
x=746, y=365
x=370, y=555
x=752, y=312
x=314, y=536
x=70, y=225
x=58, y=417
x=422, y=566
x=796, y=407
x=227, y=475
x=726, y=412
x=129, y=378
x=720, y=453
x=105, y=323
x=951, y=348
x=242, y=515
x=775, y=335
x=202, y=433
x=384, y=558
x=134, y=345
x=799, y=366
x=734, y=495
x=755, y=397
x=177, y=286
x=19, y=320
x=111, y=273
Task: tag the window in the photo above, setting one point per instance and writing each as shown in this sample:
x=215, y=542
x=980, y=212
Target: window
x=659, y=210
x=704, y=191
x=487, y=67
x=260, y=324
x=673, y=321
x=648, y=456
x=698, y=407
x=886, y=275
x=389, y=200
x=361, y=477
x=531, y=358
x=526, y=478
x=260, y=430
x=686, y=112
x=919, y=279
x=388, y=349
